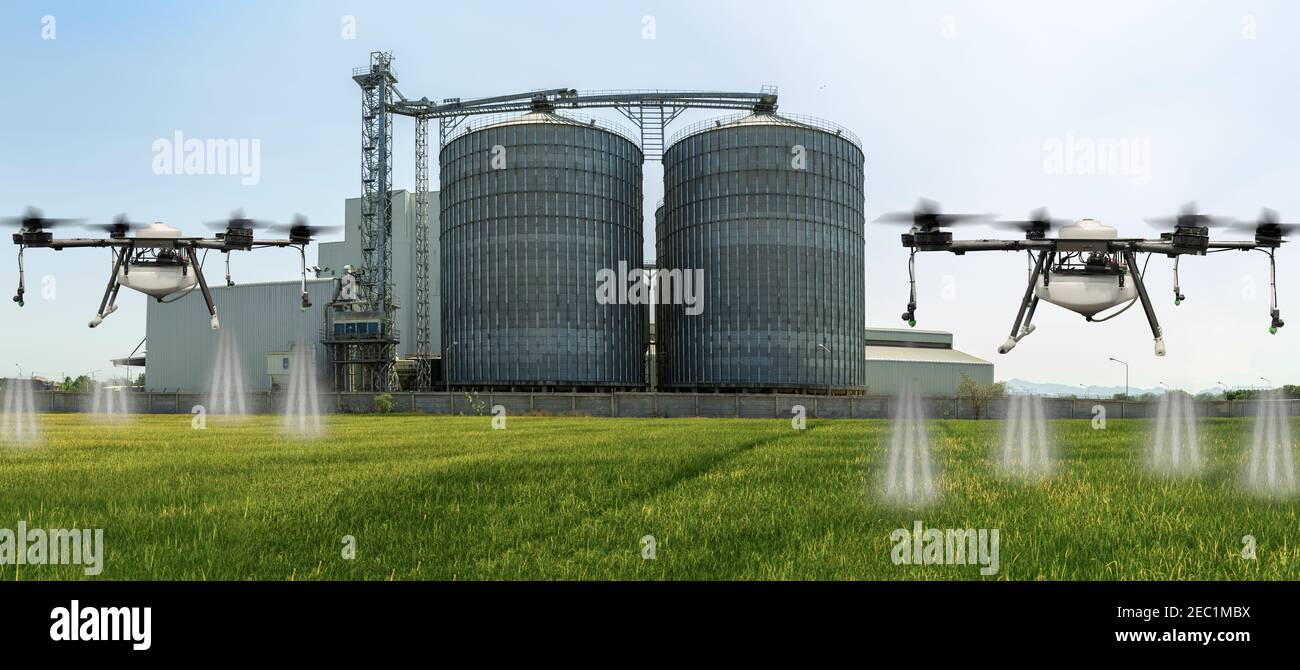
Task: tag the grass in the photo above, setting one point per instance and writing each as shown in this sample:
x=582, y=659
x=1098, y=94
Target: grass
x=569, y=498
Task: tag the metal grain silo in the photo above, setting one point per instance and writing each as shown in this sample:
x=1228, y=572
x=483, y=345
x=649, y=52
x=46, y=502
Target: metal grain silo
x=531, y=208
x=771, y=208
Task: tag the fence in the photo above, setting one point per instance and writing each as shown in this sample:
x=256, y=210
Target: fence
x=721, y=405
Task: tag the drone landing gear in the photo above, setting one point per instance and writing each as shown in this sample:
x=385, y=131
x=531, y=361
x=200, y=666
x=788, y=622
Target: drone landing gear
x=109, y=304
x=1028, y=305
x=203, y=286
x=1130, y=259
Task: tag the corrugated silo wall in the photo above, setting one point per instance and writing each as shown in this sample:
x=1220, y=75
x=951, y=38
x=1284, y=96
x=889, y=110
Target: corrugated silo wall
x=261, y=318
x=521, y=246
x=782, y=253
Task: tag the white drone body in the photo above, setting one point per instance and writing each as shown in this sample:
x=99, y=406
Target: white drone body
x=153, y=278
x=1084, y=293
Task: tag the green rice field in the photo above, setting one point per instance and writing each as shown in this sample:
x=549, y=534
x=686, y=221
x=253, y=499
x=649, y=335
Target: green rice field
x=449, y=498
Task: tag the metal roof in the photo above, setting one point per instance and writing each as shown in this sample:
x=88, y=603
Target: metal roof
x=542, y=118
x=766, y=119
x=921, y=355
x=908, y=331
x=909, y=337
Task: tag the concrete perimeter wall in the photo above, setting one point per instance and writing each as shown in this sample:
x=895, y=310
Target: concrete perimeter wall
x=721, y=405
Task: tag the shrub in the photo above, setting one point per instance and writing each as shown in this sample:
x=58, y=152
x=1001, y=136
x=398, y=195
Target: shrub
x=981, y=395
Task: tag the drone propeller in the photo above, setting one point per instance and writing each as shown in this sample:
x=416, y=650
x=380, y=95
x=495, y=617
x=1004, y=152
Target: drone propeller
x=121, y=225
x=33, y=220
x=238, y=221
x=926, y=216
x=1190, y=217
x=1267, y=226
x=301, y=230
x=1036, y=227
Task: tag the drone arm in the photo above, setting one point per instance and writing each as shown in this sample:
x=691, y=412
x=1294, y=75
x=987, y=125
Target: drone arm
x=962, y=246
x=1240, y=245
x=203, y=286
x=226, y=246
x=59, y=245
x=1130, y=258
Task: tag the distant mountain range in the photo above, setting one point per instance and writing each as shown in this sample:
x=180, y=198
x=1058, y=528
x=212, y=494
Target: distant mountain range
x=1023, y=387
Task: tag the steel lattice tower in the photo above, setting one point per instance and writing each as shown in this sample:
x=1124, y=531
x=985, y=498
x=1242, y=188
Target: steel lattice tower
x=423, y=358
x=365, y=362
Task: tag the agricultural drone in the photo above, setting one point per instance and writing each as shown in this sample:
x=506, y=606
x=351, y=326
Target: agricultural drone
x=157, y=260
x=1087, y=268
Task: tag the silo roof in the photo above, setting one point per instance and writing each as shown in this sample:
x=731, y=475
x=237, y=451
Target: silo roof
x=767, y=119
x=542, y=118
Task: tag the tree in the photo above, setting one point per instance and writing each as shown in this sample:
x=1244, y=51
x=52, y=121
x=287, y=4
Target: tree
x=139, y=381
x=79, y=385
x=980, y=394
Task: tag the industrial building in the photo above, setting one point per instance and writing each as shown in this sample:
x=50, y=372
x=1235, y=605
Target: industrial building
x=924, y=359
x=489, y=282
x=264, y=322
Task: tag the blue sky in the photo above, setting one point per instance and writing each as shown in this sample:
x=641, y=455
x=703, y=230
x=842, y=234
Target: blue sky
x=954, y=101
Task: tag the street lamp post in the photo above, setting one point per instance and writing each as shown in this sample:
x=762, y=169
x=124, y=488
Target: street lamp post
x=1125, y=375
x=1266, y=381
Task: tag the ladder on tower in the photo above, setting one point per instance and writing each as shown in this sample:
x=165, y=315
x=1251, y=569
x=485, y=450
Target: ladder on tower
x=652, y=120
